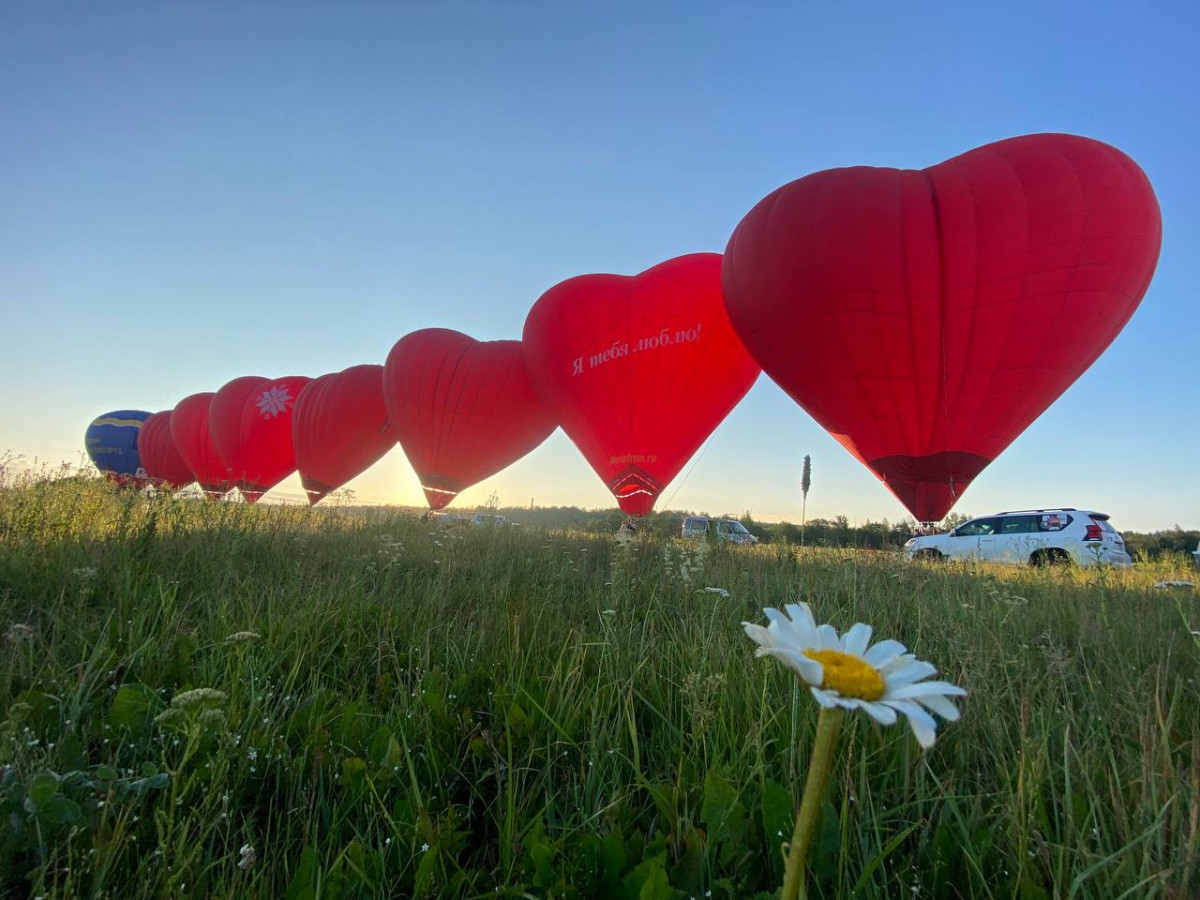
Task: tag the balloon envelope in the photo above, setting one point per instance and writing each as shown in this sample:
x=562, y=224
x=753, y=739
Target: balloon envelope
x=925, y=318
x=251, y=423
x=160, y=458
x=638, y=370
x=189, y=431
x=462, y=409
x=112, y=443
x=340, y=428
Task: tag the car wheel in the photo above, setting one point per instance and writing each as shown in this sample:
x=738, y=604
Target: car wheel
x=1051, y=556
x=929, y=554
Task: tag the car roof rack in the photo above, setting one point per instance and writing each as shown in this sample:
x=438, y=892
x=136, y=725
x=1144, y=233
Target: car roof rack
x=1048, y=510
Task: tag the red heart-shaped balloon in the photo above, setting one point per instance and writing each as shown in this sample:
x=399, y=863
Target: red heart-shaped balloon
x=159, y=455
x=462, y=409
x=926, y=317
x=251, y=423
x=193, y=440
x=638, y=369
x=340, y=428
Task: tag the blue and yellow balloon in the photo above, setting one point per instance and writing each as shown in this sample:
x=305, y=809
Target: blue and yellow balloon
x=112, y=443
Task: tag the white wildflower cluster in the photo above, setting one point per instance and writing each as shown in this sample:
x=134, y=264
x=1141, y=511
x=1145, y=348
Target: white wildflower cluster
x=243, y=637
x=199, y=697
x=19, y=633
x=684, y=561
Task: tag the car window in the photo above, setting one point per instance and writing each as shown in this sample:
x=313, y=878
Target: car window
x=738, y=528
x=1054, y=522
x=1018, y=524
x=978, y=528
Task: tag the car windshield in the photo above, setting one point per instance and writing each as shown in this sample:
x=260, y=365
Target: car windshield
x=736, y=527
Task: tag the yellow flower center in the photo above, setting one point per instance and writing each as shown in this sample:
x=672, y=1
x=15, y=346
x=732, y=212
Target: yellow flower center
x=848, y=675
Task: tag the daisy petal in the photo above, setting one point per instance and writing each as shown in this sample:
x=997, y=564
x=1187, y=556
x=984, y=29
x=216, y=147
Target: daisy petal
x=923, y=725
x=801, y=614
x=884, y=652
x=758, y=634
x=884, y=715
x=916, y=691
x=907, y=672
x=827, y=638
x=939, y=705
x=826, y=699
x=808, y=669
x=855, y=640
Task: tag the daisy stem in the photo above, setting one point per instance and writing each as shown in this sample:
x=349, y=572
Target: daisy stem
x=829, y=726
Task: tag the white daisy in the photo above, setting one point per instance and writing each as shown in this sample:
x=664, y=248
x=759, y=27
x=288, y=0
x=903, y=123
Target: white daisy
x=881, y=680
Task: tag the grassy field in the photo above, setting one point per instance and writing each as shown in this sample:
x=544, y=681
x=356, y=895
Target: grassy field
x=398, y=711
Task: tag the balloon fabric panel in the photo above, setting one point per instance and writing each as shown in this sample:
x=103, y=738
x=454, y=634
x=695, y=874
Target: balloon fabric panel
x=638, y=370
x=340, y=428
x=462, y=409
x=251, y=423
x=926, y=318
x=111, y=441
x=160, y=458
x=189, y=431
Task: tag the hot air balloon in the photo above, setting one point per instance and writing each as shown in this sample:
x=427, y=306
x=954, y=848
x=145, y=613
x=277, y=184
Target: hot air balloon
x=112, y=444
x=926, y=318
x=340, y=428
x=160, y=458
x=462, y=409
x=251, y=423
x=638, y=370
x=189, y=431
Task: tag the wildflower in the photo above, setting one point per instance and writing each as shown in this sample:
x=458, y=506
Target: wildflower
x=211, y=717
x=243, y=637
x=720, y=592
x=19, y=633
x=198, y=697
x=246, y=857
x=424, y=848
x=84, y=574
x=845, y=672
x=609, y=612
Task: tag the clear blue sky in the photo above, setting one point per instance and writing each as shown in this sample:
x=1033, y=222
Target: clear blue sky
x=195, y=191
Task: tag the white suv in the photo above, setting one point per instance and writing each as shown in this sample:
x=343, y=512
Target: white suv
x=1036, y=536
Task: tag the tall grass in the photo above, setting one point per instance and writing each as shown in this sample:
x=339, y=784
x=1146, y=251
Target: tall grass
x=502, y=712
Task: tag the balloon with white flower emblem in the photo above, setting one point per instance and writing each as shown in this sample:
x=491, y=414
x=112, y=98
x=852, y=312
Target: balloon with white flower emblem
x=251, y=423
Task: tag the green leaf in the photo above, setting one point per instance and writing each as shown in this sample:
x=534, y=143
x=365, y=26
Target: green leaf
x=778, y=820
x=61, y=810
x=149, y=770
x=424, y=877
x=42, y=788
x=106, y=773
x=133, y=707
x=721, y=811
x=303, y=883
x=72, y=755
x=354, y=770
x=657, y=886
x=612, y=856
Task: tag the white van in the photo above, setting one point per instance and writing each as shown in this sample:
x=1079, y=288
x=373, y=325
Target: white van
x=717, y=529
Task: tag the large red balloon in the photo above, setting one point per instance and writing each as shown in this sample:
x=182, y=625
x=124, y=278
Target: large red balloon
x=251, y=423
x=158, y=453
x=925, y=318
x=340, y=428
x=462, y=409
x=189, y=431
x=639, y=369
